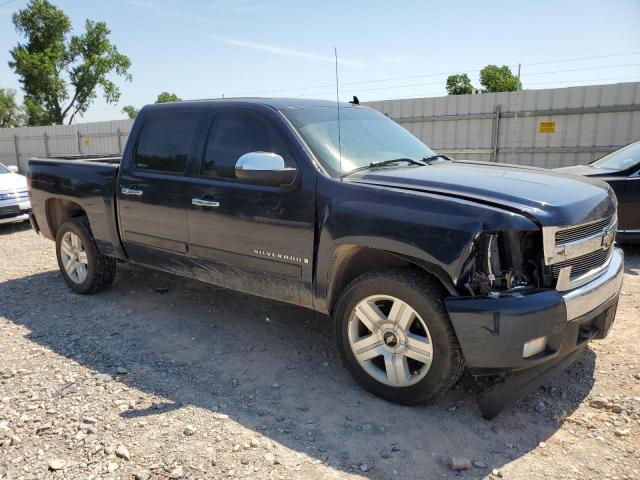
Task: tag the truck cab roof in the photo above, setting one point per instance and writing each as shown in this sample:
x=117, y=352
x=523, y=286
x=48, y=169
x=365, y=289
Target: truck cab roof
x=273, y=102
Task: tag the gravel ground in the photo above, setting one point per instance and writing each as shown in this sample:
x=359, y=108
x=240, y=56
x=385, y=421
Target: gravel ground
x=163, y=377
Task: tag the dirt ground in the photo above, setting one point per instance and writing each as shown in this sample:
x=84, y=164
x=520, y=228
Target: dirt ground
x=162, y=377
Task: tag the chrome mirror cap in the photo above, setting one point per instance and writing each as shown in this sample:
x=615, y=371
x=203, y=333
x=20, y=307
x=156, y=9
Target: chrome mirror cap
x=264, y=168
x=260, y=161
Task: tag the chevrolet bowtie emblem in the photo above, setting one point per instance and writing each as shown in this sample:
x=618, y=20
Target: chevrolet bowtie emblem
x=609, y=237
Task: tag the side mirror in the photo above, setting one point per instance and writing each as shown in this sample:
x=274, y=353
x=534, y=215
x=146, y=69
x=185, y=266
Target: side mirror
x=13, y=168
x=264, y=168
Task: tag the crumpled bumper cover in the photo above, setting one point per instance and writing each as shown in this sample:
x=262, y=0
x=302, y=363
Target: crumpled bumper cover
x=492, y=331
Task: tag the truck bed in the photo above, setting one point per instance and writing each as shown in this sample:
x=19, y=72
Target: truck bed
x=87, y=182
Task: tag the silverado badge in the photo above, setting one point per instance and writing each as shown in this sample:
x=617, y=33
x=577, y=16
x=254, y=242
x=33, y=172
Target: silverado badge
x=281, y=256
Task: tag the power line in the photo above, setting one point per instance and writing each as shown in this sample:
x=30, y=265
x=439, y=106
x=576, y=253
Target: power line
x=538, y=73
x=586, y=68
x=590, y=80
x=364, y=82
x=310, y=87
x=584, y=58
x=441, y=93
x=439, y=82
x=7, y=3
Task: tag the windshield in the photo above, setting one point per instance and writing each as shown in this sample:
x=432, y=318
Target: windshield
x=626, y=157
x=366, y=137
x=4, y=169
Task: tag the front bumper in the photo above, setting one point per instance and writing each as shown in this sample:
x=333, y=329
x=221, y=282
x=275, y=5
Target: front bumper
x=493, y=331
x=12, y=211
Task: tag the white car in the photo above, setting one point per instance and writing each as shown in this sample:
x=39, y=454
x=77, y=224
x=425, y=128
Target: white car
x=14, y=196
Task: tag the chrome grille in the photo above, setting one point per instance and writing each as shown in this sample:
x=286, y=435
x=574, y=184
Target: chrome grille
x=586, y=248
x=573, y=234
x=14, y=195
x=583, y=264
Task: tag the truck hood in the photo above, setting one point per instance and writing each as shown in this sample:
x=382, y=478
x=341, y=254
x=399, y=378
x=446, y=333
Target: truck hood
x=584, y=170
x=588, y=171
x=12, y=181
x=551, y=198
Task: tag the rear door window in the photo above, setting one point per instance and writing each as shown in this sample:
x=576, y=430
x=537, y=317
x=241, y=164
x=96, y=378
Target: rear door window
x=165, y=142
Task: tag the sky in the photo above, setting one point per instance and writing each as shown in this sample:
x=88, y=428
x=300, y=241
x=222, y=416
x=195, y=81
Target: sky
x=386, y=49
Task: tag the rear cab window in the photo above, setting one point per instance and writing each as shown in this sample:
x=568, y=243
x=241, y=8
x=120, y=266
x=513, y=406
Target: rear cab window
x=165, y=142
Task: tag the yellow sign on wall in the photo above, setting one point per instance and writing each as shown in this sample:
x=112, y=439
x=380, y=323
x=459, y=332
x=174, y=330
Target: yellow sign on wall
x=87, y=142
x=547, y=127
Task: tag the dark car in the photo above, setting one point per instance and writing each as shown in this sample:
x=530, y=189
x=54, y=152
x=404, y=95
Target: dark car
x=621, y=170
x=428, y=265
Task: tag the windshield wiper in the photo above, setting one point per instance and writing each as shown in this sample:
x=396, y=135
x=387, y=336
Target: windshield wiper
x=383, y=163
x=435, y=157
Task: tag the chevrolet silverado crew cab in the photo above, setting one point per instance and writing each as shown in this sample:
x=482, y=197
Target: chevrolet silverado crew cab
x=428, y=265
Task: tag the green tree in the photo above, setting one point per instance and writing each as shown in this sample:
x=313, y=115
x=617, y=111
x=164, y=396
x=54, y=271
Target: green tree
x=130, y=111
x=166, y=97
x=61, y=74
x=11, y=115
x=499, y=79
x=459, y=84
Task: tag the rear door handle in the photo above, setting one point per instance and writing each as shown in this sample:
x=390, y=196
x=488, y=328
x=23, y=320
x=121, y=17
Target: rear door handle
x=205, y=202
x=131, y=191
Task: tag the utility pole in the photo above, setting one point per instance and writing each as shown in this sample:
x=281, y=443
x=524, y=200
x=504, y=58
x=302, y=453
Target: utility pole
x=515, y=118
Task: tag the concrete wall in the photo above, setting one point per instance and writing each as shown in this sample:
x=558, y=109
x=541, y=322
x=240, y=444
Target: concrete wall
x=17, y=145
x=587, y=122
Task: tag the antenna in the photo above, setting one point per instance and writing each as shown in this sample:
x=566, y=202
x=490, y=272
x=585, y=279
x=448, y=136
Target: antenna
x=335, y=51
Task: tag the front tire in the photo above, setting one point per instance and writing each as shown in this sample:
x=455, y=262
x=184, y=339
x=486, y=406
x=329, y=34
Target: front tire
x=395, y=337
x=81, y=264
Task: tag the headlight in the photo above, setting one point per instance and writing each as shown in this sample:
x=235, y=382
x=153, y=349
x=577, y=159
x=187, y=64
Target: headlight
x=502, y=261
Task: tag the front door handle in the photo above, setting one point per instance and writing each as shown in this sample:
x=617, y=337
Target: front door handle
x=131, y=191
x=205, y=202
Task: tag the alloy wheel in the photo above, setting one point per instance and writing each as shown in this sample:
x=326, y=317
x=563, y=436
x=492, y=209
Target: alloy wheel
x=74, y=257
x=390, y=341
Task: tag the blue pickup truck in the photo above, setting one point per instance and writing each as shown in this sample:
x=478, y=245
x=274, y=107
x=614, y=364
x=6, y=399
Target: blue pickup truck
x=428, y=265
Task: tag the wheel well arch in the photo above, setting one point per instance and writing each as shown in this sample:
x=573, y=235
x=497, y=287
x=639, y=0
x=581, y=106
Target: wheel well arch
x=59, y=210
x=351, y=261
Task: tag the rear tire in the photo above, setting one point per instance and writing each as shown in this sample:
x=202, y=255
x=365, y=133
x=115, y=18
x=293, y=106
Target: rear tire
x=395, y=337
x=81, y=264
